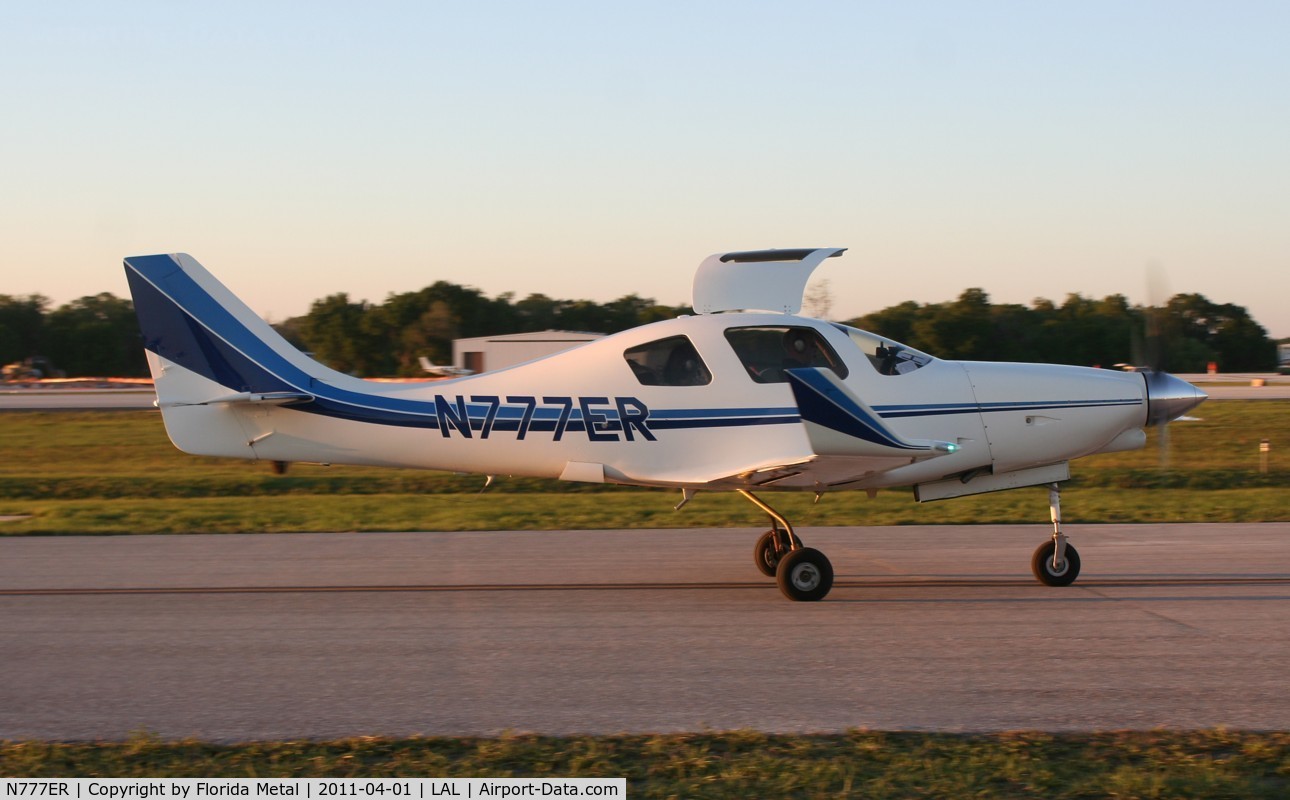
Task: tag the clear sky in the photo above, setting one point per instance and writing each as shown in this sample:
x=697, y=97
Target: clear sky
x=594, y=149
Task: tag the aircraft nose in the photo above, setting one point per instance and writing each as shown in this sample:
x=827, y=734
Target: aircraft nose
x=1169, y=397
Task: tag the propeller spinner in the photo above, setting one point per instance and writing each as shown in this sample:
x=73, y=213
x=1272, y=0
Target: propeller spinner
x=1169, y=397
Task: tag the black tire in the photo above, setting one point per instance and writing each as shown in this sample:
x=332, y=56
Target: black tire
x=764, y=554
x=804, y=575
x=1041, y=563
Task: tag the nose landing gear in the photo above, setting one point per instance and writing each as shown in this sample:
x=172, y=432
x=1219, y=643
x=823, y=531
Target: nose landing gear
x=1055, y=563
x=802, y=573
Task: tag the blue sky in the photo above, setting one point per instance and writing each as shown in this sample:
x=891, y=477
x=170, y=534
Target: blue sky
x=597, y=149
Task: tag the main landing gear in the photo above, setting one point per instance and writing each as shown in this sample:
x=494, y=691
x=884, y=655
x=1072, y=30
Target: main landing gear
x=801, y=572
x=1055, y=563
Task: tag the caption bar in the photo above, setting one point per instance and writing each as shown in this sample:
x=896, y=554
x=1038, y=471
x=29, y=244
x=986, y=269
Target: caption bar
x=310, y=788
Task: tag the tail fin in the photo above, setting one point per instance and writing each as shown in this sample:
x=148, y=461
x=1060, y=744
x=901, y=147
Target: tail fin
x=208, y=350
x=190, y=319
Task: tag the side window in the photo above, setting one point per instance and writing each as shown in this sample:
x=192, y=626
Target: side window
x=767, y=352
x=668, y=362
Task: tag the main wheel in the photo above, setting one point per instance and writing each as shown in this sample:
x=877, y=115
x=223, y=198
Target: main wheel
x=1041, y=563
x=765, y=555
x=804, y=574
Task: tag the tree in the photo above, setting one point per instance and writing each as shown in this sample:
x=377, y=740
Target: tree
x=333, y=331
x=1191, y=330
x=430, y=335
x=95, y=335
x=1086, y=331
x=960, y=330
x=1014, y=333
x=895, y=322
x=22, y=322
x=537, y=312
x=1226, y=333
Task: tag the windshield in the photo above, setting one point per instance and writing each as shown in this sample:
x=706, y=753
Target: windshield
x=888, y=357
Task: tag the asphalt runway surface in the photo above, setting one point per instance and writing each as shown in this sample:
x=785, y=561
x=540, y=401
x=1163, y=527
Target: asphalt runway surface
x=77, y=399
x=244, y=637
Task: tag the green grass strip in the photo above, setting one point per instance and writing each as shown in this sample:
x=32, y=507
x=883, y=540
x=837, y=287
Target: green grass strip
x=116, y=473
x=859, y=764
x=622, y=509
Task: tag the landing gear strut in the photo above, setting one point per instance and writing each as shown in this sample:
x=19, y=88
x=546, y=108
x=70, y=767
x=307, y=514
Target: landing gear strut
x=1055, y=563
x=801, y=572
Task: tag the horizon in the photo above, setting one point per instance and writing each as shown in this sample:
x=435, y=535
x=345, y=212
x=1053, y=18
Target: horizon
x=589, y=152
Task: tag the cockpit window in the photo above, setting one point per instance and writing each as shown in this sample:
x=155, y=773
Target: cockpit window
x=888, y=357
x=668, y=362
x=767, y=352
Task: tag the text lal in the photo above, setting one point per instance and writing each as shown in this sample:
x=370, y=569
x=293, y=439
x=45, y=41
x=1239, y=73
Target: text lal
x=546, y=789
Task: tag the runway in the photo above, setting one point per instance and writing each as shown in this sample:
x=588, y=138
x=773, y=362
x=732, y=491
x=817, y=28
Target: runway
x=241, y=637
x=132, y=399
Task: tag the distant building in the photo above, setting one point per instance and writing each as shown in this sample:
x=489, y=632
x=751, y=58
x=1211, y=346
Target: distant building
x=491, y=353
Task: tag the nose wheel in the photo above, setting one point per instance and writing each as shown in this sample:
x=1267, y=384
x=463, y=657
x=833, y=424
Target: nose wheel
x=802, y=573
x=1054, y=571
x=1055, y=563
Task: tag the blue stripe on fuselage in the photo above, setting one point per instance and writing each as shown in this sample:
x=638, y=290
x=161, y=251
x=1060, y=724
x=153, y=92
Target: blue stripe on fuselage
x=941, y=409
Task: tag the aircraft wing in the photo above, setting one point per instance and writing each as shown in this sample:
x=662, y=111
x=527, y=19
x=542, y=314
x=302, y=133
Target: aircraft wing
x=848, y=442
x=842, y=425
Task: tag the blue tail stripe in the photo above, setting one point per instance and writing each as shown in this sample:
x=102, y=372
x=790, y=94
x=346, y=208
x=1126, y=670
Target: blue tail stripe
x=257, y=366
x=175, y=335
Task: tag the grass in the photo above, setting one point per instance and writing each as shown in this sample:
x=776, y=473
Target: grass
x=860, y=764
x=620, y=509
x=116, y=472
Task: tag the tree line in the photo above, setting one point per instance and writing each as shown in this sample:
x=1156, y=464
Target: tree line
x=1186, y=334
x=98, y=335
x=93, y=336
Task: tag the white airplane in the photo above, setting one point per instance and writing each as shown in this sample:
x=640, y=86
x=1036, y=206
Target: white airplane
x=442, y=370
x=743, y=396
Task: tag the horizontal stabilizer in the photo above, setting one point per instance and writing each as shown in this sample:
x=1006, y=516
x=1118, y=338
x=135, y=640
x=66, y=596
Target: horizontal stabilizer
x=263, y=398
